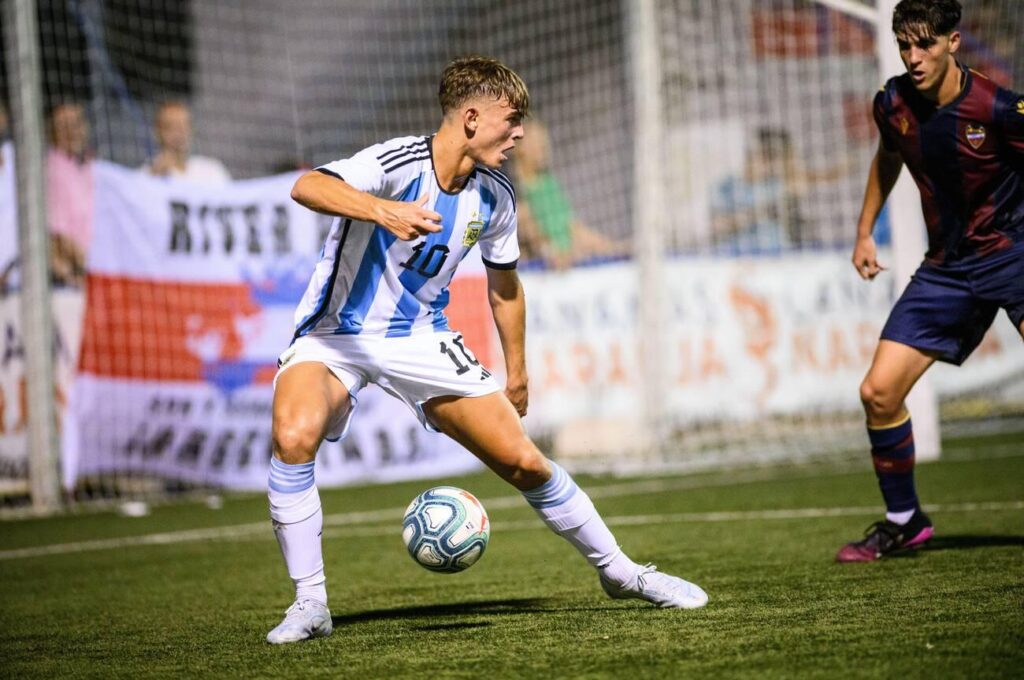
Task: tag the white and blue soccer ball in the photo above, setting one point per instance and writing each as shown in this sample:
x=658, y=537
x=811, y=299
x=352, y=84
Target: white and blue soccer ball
x=446, y=529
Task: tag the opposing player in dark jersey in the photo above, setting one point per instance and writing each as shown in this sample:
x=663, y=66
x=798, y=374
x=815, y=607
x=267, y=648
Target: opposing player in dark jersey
x=962, y=138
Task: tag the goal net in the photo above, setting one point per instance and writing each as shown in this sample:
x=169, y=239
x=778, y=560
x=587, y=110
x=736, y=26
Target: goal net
x=768, y=137
x=762, y=142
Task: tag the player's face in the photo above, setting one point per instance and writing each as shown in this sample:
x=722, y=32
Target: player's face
x=927, y=58
x=495, y=128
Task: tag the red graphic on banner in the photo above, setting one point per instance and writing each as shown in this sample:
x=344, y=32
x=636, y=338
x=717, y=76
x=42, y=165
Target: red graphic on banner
x=144, y=330
x=469, y=314
x=140, y=329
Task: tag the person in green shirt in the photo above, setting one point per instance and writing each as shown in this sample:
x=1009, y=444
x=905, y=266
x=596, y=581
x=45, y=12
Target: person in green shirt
x=549, y=229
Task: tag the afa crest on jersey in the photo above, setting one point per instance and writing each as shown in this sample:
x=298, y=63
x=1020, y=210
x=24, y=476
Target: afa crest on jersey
x=473, y=231
x=975, y=135
x=1020, y=106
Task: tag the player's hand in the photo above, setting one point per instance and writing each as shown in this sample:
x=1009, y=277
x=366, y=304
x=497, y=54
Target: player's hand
x=408, y=221
x=518, y=394
x=865, y=258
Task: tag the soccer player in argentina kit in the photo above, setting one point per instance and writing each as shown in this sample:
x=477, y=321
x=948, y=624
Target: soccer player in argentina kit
x=962, y=138
x=409, y=210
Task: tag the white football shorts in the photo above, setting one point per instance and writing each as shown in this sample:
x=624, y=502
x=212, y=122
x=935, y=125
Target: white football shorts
x=413, y=369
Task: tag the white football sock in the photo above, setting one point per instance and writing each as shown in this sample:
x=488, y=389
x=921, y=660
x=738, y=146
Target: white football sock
x=298, y=523
x=900, y=518
x=569, y=512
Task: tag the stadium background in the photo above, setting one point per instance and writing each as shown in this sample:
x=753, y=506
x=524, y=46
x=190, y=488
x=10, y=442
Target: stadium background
x=274, y=88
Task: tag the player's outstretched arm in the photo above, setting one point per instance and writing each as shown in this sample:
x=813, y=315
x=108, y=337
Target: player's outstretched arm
x=885, y=169
x=332, y=196
x=508, y=305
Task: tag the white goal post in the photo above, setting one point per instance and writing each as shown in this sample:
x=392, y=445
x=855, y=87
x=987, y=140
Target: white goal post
x=652, y=203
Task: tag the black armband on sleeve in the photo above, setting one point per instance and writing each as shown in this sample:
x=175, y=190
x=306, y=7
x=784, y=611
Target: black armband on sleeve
x=330, y=173
x=500, y=265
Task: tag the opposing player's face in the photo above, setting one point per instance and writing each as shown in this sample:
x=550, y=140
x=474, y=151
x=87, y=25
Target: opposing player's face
x=927, y=58
x=495, y=127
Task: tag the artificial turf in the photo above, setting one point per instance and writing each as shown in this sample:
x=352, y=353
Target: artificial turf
x=779, y=607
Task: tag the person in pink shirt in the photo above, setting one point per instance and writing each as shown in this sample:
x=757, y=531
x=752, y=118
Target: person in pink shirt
x=69, y=188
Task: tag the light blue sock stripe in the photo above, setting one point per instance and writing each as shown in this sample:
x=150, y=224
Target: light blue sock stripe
x=551, y=487
x=276, y=464
x=285, y=478
x=554, y=486
x=281, y=488
x=556, y=491
x=288, y=478
x=291, y=479
x=569, y=493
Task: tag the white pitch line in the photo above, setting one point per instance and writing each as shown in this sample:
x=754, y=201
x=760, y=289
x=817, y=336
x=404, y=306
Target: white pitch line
x=704, y=517
x=245, y=531
x=348, y=519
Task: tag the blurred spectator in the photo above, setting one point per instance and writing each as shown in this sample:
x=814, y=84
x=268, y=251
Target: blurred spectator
x=761, y=210
x=4, y=136
x=173, y=128
x=3, y=123
x=989, y=41
x=549, y=229
x=8, y=225
x=69, y=186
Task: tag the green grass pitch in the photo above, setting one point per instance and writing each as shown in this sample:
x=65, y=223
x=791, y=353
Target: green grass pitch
x=197, y=599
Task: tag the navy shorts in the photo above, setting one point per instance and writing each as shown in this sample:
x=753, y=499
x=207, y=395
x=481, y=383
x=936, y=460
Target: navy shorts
x=948, y=309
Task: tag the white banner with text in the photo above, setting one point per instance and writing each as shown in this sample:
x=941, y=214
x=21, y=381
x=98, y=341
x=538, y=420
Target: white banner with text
x=189, y=301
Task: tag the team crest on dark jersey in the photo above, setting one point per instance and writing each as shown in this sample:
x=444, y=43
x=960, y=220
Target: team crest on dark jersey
x=1020, y=106
x=904, y=125
x=473, y=230
x=975, y=135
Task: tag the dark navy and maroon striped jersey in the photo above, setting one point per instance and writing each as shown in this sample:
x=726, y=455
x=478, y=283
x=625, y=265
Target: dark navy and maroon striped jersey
x=968, y=161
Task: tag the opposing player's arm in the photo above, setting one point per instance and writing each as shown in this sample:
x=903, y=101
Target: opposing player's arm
x=885, y=169
x=508, y=305
x=334, y=196
x=1012, y=109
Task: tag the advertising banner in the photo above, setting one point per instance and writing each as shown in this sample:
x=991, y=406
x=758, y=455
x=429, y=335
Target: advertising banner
x=746, y=338
x=189, y=302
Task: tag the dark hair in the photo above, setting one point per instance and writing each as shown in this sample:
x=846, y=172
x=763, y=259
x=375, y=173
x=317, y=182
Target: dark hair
x=926, y=18
x=475, y=76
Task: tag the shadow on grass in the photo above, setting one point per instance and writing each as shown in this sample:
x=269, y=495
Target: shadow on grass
x=454, y=626
x=488, y=607
x=960, y=542
x=965, y=541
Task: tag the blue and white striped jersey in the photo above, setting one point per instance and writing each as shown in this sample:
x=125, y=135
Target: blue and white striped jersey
x=369, y=281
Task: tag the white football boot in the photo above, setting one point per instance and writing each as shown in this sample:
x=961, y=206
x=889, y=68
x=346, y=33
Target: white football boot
x=661, y=590
x=304, y=620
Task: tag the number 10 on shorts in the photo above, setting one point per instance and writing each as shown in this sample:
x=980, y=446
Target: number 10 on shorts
x=470, y=360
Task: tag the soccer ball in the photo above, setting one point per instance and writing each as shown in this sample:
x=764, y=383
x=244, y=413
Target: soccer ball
x=446, y=529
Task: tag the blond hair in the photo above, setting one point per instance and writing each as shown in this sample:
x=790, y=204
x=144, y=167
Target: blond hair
x=468, y=77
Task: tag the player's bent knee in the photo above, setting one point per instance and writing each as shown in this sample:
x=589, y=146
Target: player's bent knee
x=879, y=403
x=295, y=442
x=867, y=393
x=529, y=470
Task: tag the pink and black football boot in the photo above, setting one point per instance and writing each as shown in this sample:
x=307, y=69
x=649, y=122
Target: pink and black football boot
x=885, y=538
